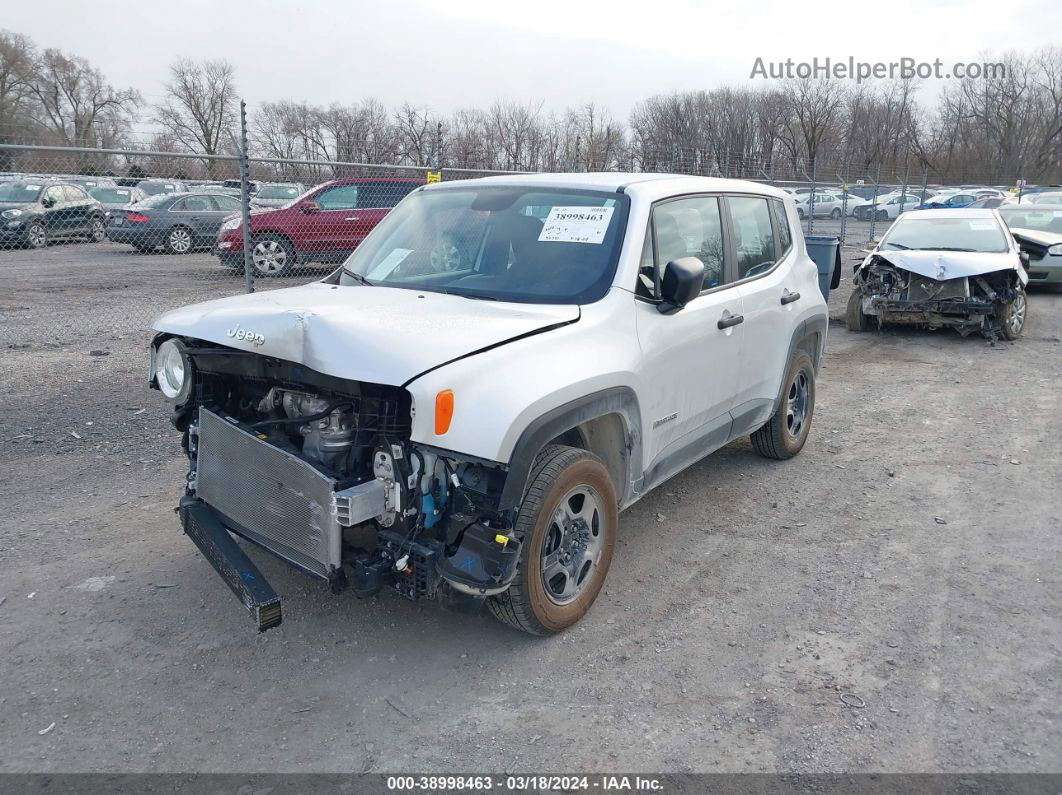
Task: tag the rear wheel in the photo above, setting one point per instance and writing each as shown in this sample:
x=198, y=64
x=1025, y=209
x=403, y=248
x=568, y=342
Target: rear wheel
x=786, y=431
x=567, y=522
x=179, y=240
x=1012, y=316
x=97, y=231
x=272, y=255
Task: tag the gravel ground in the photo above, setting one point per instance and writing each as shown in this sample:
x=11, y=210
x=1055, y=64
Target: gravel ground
x=888, y=601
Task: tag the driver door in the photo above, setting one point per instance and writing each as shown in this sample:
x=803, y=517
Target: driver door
x=56, y=217
x=334, y=226
x=693, y=365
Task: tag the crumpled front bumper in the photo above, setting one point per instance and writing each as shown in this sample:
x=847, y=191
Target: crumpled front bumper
x=204, y=527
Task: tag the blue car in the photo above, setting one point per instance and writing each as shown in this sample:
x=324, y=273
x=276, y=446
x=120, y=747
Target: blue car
x=953, y=201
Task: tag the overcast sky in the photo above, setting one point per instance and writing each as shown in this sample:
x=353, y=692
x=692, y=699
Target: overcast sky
x=456, y=53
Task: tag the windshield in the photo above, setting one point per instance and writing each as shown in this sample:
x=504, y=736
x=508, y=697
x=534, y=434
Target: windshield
x=510, y=243
x=946, y=234
x=19, y=191
x=278, y=192
x=112, y=195
x=1048, y=219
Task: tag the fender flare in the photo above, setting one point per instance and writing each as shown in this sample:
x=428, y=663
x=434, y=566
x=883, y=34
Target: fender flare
x=816, y=324
x=620, y=400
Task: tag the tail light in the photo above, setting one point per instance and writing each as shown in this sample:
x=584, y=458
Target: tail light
x=136, y=218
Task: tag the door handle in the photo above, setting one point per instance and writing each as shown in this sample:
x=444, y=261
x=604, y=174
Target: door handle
x=353, y=218
x=788, y=297
x=730, y=320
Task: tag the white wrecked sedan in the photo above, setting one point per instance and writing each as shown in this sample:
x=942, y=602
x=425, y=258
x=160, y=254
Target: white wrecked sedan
x=959, y=269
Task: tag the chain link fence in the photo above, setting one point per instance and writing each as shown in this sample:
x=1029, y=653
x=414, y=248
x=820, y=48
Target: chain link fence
x=104, y=240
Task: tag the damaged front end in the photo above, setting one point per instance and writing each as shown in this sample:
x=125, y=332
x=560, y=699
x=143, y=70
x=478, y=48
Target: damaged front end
x=321, y=472
x=935, y=289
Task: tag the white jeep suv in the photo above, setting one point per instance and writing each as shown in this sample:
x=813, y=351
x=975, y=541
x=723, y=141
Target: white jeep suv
x=461, y=410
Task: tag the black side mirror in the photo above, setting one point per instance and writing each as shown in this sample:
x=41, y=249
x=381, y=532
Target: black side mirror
x=682, y=282
x=1024, y=257
x=47, y=202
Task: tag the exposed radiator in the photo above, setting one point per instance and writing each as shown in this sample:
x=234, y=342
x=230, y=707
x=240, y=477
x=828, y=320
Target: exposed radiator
x=268, y=495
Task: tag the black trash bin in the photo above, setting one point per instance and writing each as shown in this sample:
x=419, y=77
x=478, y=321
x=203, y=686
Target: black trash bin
x=826, y=253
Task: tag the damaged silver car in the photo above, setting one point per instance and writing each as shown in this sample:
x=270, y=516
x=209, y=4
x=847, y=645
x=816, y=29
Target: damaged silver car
x=957, y=269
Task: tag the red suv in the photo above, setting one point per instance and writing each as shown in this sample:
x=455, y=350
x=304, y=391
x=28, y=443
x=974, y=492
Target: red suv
x=325, y=224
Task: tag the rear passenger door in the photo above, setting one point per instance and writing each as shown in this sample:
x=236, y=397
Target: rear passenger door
x=691, y=364
x=196, y=213
x=78, y=208
x=772, y=291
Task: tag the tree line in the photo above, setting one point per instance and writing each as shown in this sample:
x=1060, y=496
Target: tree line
x=991, y=131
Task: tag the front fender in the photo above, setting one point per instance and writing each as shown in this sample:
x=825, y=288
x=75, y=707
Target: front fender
x=509, y=397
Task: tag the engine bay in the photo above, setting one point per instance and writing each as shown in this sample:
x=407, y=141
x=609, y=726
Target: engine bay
x=379, y=511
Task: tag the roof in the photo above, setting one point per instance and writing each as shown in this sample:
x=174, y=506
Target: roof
x=958, y=212
x=651, y=184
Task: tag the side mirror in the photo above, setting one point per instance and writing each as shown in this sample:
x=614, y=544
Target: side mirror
x=1024, y=257
x=309, y=206
x=682, y=282
x=47, y=202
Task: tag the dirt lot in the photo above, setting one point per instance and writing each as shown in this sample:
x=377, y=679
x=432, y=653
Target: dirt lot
x=888, y=601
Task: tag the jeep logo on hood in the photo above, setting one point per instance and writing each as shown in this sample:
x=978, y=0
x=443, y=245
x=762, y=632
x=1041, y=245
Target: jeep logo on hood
x=243, y=334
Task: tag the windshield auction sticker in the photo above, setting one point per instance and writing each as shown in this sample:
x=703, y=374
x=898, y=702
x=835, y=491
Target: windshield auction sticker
x=576, y=225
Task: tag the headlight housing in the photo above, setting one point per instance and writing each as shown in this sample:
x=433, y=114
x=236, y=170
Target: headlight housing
x=1055, y=250
x=232, y=223
x=174, y=370
x=14, y=213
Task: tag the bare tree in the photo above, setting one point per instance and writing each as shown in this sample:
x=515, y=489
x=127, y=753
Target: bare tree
x=200, y=107
x=815, y=106
x=74, y=102
x=17, y=58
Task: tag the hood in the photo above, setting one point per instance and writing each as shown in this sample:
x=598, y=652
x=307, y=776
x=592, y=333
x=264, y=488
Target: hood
x=944, y=265
x=1041, y=236
x=382, y=335
x=18, y=205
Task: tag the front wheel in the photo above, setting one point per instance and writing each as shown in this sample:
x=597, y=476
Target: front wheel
x=567, y=522
x=855, y=318
x=786, y=431
x=835, y=213
x=1012, y=316
x=800, y=213
x=36, y=235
